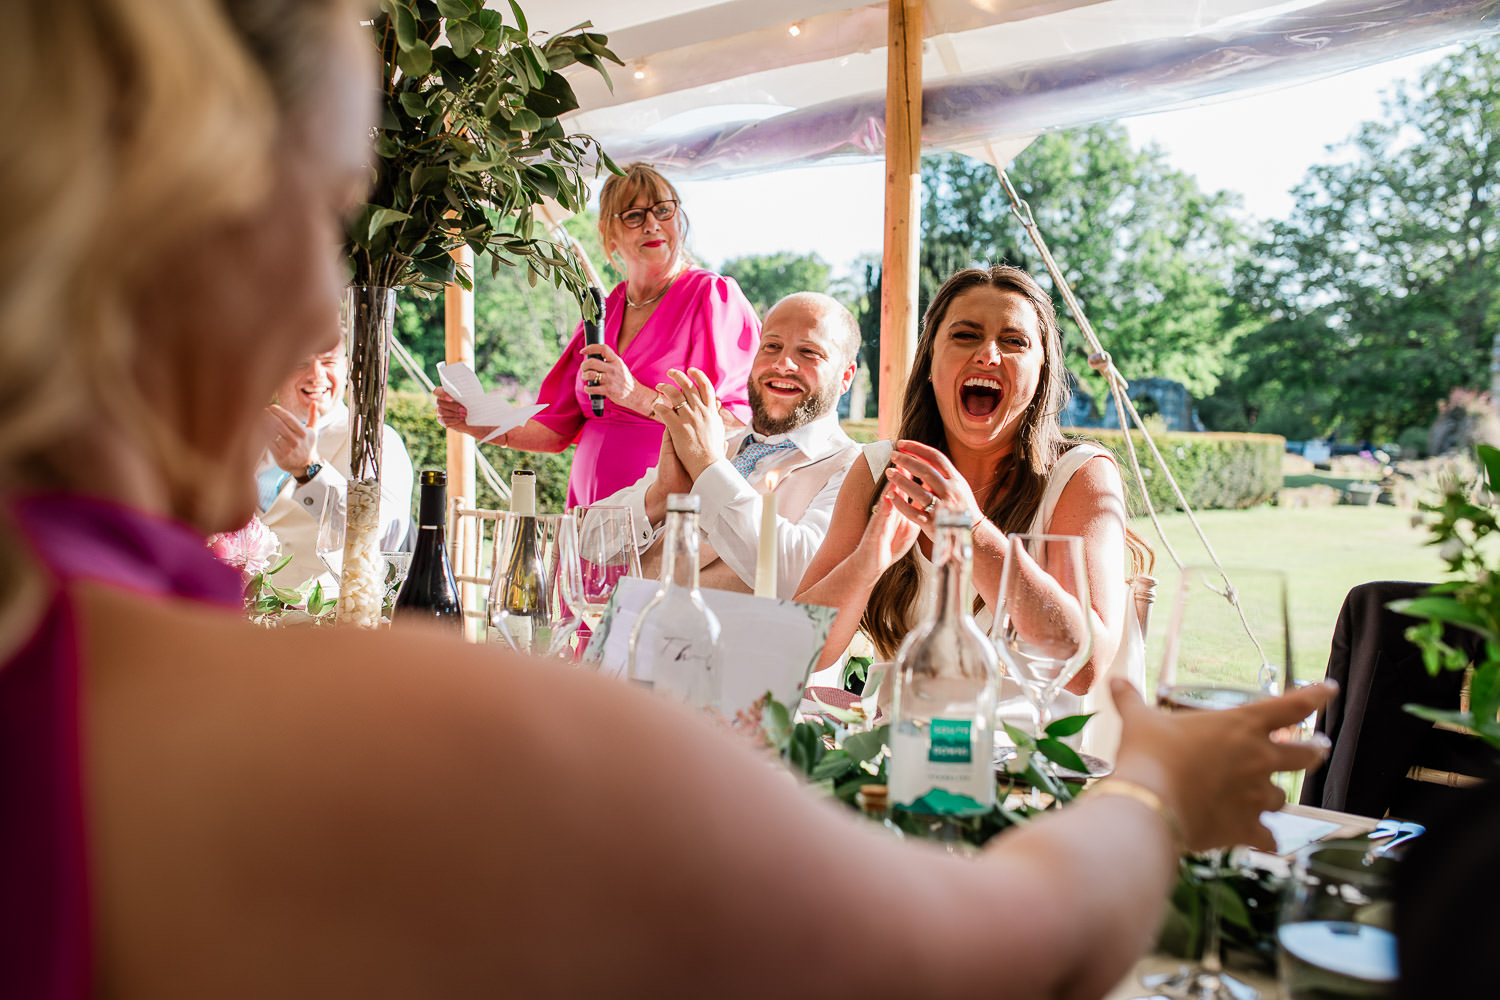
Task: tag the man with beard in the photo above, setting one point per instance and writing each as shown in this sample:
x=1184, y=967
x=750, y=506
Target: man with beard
x=805, y=362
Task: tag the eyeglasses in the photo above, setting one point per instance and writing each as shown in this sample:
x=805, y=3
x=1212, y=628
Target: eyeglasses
x=634, y=218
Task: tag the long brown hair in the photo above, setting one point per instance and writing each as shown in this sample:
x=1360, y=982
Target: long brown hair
x=1020, y=477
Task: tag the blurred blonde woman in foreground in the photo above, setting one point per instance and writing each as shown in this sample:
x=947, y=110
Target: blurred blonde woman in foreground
x=193, y=807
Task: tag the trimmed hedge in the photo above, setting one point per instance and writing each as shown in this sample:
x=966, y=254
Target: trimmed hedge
x=1214, y=470
x=415, y=419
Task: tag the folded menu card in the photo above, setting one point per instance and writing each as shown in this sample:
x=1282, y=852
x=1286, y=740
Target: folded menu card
x=766, y=644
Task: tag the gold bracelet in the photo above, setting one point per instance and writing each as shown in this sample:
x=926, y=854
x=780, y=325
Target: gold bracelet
x=1149, y=799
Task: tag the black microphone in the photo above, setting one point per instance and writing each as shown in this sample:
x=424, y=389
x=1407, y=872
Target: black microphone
x=593, y=333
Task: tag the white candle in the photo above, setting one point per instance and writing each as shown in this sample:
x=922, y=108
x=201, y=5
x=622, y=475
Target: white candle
x=765, y=561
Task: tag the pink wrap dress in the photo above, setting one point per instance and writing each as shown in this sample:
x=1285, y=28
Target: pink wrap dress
x=703, y=321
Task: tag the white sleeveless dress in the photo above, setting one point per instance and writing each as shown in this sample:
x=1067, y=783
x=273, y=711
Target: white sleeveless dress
x=1101, y=736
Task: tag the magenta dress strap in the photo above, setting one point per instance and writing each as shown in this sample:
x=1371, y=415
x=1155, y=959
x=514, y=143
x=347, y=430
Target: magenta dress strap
x=46, y=949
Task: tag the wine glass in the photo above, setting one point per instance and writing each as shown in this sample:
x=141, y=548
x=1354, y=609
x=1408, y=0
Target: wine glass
x=606, y=552
x=1042, y=625
x=536, y=586
x=1227, y=645
x=330, y=543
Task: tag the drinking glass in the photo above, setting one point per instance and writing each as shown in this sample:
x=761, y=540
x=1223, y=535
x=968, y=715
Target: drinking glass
x=606, y=552
x=1335, y=935
x=1227, y=645
x=330, y=549
x=536, y=586
x=1042, y=623
x=330, y=544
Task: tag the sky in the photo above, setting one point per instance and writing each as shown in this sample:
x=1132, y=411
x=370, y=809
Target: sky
x=1259, y=146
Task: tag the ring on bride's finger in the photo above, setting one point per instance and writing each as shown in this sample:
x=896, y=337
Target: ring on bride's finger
x=931, y=505
x=679, y=406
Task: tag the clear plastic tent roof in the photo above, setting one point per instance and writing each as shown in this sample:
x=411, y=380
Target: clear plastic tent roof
x=712, y=89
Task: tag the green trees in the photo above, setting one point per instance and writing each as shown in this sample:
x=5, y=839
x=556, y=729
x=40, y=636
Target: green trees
x=1149, y=254
x=766, y=278
x=519, y=330
x=1379, y=295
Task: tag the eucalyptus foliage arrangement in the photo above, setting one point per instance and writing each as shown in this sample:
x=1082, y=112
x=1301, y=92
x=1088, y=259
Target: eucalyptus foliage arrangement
x=469, y=144
x=841, y=755
x=1461, y=525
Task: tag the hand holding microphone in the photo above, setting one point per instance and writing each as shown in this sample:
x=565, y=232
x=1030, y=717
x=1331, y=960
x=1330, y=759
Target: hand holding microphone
x=593, y=333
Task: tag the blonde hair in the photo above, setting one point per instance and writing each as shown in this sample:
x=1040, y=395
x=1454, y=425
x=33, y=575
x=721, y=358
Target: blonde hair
x=620, y=192
x=143, y=123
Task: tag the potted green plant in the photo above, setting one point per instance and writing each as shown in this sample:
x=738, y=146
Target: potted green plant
x=1462, y=524
x=468, y=144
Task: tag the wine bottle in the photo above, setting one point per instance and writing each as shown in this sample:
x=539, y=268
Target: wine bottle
x=519, y=615
x=674, y=643
x=429, y=592
x=948, y=681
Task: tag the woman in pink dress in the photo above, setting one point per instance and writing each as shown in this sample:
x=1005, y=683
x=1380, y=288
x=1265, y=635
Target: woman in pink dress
x=666, y=315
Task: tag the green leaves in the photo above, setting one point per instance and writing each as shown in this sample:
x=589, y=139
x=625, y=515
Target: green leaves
x=1469, y=600
x=469, y=124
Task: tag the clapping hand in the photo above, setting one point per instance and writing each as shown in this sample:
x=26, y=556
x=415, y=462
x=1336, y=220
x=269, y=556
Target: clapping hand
x=689, y=407
x=924, y=479
x=888, y=535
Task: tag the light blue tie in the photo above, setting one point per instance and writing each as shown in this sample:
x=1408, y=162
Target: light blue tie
x=268, y=484
x=752, y=451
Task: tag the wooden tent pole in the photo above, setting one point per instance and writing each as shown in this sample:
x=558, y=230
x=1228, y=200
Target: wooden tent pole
x=458, y=331
x=903, y=204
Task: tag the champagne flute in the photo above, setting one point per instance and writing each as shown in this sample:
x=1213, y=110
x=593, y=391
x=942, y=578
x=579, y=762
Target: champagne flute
x=536, y=586
x=1227, y=645
x=330, y=543
x=1042, y=625
x=606, y=552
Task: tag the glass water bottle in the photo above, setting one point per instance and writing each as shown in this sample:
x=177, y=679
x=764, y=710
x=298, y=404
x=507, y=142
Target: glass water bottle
x=674, y=644
x=947, y=683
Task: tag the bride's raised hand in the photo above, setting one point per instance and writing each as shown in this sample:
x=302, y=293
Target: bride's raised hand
x=924, y=479
x=889, y=535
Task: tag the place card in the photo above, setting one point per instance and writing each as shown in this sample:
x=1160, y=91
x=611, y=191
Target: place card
x=767, y=644
x=1293, y=832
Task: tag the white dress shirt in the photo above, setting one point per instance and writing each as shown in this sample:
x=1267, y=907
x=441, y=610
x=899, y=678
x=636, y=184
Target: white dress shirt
x=809, y=477
x=297, y=510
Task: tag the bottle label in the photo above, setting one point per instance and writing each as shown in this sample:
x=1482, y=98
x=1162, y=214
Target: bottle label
x=942, y=769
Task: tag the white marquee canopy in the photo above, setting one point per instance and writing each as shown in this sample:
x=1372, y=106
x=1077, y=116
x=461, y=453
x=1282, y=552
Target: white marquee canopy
x=715, y=88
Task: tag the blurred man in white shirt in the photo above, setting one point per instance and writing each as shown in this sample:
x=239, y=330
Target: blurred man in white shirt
x=306, y=467
x=806, y=361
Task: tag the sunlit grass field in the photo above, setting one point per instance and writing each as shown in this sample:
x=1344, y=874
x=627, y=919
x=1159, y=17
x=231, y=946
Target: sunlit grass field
x=1324, y=552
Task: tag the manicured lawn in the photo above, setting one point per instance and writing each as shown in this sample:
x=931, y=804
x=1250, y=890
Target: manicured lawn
x=1323, y=551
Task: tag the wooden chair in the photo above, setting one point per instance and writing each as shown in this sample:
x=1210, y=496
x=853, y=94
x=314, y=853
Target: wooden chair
x=472, y=538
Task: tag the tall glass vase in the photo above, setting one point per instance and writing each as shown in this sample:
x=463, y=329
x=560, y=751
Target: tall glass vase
x=370, y=314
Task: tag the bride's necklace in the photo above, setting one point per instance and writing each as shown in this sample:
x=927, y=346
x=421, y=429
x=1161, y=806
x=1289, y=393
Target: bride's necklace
x=655, y=298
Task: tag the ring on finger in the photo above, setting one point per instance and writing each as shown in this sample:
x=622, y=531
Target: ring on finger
x=679, y=406
x=931, y=506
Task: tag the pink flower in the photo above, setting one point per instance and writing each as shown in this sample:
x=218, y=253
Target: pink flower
x=250, y=549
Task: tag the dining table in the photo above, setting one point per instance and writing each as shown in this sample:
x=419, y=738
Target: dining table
x=1296, y=826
